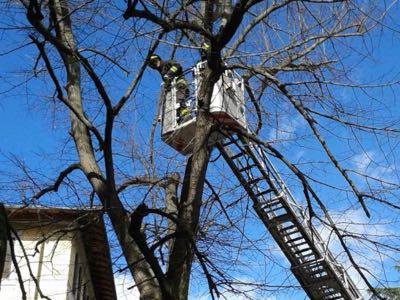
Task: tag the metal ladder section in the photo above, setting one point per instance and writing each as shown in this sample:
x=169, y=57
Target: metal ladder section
x=312, y=263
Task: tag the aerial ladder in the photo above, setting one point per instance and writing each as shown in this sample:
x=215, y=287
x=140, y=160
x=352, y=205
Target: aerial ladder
x=316, y=269
x=312, y=263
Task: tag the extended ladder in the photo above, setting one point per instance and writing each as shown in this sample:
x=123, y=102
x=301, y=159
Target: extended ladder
x=318, y=272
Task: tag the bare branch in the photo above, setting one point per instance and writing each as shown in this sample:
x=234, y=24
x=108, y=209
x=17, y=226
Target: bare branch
x=167, y=24
x=28, y=264
x=60, y=94
x=147, y=180
x=54, y=187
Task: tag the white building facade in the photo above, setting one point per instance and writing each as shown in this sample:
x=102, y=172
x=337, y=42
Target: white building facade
x=64, y=255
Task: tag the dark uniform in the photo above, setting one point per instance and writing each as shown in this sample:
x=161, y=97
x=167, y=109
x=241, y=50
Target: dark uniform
x=169, y=70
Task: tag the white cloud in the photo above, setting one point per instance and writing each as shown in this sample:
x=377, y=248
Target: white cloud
x=366, y=163
x=285, y=129
x=356, y=222
x=363, y=160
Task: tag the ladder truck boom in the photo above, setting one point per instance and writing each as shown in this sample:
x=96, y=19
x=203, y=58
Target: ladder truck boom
x=316, y=269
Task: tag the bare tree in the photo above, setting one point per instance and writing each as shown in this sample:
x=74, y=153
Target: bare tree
x=295, y=56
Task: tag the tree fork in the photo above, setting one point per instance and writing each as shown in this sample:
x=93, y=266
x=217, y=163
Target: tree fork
x=182, y=252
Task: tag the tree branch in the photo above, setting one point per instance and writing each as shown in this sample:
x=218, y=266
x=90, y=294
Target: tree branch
x=28, y=264
x=54, y=187
x=136, y=80
x=167, y=24
x=12, y=252
x=148, y=180
x=64, y=49
x=135, y=231
x=60, y=94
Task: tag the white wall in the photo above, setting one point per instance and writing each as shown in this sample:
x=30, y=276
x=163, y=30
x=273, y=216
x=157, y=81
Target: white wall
x=55, y=275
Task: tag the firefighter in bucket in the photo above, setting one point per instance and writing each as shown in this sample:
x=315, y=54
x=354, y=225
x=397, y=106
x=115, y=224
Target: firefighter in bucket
x=169, y=70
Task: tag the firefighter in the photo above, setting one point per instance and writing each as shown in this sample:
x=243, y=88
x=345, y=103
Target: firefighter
x=170, y=70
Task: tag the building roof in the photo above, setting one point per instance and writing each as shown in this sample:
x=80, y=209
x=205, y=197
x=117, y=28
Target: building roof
x=94, y=238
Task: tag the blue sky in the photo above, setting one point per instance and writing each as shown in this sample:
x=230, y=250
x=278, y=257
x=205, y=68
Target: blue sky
x=35, y=130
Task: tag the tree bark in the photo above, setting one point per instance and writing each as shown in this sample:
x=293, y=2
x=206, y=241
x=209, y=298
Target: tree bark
x=171, y=189
x=141, y=272
x=3, y=238
x=182, y=252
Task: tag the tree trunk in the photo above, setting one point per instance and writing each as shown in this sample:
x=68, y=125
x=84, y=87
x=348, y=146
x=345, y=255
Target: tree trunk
x=182, y=254
x=3, y=238
x=171, y=207
x=141, y=272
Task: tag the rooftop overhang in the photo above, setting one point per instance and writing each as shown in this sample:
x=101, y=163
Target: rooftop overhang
x=90, y=223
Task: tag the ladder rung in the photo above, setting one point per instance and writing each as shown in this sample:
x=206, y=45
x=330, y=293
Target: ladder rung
x=264, y=192
x=240, y=154
x=305, y=267
x=307, y=255
x=281, y=219
x=273, y=209
x=230, y=142
x=316, y=280
x=286, y=229
x=295, y=239
x=302, y=250
x=311, y=263
x=270, y=203
x=253, y=181
x=312, y=266
x=331, y=293
x=279, y=197
x=315, y=271
x=299, y=244
x=320, y=285
x=248, y=167
x=319, y=282
x=338, y=297
x=292, y=233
